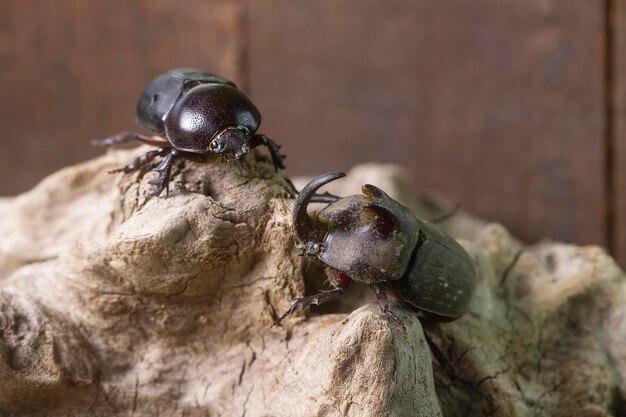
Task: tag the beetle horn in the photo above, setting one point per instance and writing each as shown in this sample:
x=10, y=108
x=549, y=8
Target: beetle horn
x=304, y=230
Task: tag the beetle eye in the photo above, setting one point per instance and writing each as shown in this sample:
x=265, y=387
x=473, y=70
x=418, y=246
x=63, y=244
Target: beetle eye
x=312, y=249
x=214, y=145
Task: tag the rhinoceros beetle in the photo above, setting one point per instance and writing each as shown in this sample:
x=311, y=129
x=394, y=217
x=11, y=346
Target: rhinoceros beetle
x=199, y=115
x=375, y=240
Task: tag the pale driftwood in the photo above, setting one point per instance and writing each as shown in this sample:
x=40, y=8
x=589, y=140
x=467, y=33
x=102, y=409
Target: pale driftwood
x=113, y=303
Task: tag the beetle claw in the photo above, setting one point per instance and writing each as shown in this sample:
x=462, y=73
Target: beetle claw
x=381, y=295
x=298, y=304
x=397, y=320
x=164, y=169
x=277, y=158
x=316, y=299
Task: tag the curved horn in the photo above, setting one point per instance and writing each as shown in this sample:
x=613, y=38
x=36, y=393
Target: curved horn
x=303, y=228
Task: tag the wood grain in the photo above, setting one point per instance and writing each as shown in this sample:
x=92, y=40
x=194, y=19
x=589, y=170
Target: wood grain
x=71, y=70
x=499, y=105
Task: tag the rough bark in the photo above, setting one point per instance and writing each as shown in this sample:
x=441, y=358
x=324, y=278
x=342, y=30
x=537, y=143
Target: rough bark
x=113, y=303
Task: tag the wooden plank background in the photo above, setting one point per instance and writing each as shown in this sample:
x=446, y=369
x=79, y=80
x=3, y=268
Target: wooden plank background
x=73, y=70
x=513, y=109
x=616, y=146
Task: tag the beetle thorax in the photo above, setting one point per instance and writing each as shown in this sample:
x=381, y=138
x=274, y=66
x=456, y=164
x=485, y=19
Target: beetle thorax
x=211, y=111
x=369, y=248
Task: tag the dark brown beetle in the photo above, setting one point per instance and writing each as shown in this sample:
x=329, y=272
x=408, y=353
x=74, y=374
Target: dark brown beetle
x=199, y=115
x=373, y=239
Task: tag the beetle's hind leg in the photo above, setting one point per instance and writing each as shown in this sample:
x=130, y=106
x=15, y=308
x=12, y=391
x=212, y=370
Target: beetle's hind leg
x=126, y=137
x=277, y=158
x=141, y=161
x=164, y=169
x=381, y=295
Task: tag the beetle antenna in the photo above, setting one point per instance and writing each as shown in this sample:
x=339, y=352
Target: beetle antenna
x=445, y=216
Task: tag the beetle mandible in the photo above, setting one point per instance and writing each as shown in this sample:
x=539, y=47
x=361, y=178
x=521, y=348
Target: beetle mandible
x=375, y=240
x=199, y=115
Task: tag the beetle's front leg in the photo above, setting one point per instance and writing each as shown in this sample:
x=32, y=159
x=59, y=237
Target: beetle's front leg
x=164, y=169
x=381, y=295
x=317, y=299
x=339, y=280
x=130, y=137
x=277, y=158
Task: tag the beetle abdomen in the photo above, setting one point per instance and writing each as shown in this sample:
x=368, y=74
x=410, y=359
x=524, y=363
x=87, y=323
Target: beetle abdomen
x=441, y=276
x=161, y=93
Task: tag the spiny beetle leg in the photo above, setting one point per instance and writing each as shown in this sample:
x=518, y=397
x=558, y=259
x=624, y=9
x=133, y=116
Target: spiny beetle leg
x=277, y=158
x=130, y=137
x=381, y=295
x=164, y=169
x=317, y=299
x=141, y=161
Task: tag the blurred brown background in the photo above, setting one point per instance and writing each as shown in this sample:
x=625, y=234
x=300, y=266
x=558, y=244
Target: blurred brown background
x=515, y=109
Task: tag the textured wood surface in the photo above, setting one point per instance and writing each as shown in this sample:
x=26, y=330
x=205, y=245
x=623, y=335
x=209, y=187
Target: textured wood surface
x=498, y=105
x=502, y=106
x=71, y=71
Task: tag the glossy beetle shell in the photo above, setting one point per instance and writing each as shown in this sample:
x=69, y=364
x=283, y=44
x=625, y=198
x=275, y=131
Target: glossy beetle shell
x=203, y=111
x=161, y=93
x=197, y=116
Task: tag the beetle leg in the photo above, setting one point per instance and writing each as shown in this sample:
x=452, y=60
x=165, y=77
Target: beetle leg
x=317, y=198
x=130, y=137
x=164, y=169
x=317, y=299
x=381, y=295
x=339, y=280
x=277, y=158
x=141, y=161
x=324, y=198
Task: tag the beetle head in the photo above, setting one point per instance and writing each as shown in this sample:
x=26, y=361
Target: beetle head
x=231, y=142
x=307, y=234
